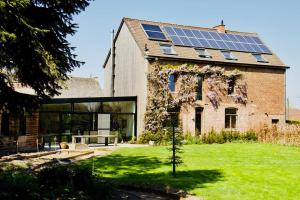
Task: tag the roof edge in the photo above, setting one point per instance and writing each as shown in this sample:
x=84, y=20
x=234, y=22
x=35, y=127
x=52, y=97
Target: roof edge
x=115, y=39
x=218, y=62
x=191, y=26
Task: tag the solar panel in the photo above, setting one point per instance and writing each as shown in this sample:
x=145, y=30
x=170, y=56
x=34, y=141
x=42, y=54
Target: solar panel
x=154, y=32
x=215, y=40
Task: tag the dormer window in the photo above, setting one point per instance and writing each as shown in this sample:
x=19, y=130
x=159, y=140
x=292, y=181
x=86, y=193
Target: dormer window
x=202, y=53
x=228, y=55
x=259, y=58
x=167, y=49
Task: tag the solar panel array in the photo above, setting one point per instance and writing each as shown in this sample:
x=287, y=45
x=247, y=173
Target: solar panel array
x=215, y=40
x=154, y=32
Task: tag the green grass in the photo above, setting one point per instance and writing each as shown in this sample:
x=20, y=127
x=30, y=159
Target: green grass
x=217, y=171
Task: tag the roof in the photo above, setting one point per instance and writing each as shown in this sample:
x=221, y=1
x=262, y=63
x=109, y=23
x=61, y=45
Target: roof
x=188, y=53
x=80, y=87
x=75, y=87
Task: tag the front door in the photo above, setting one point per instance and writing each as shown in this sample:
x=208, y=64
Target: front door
x=198, y=120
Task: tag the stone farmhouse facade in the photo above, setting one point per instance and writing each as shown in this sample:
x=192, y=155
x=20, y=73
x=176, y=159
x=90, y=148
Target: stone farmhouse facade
x=134, y=55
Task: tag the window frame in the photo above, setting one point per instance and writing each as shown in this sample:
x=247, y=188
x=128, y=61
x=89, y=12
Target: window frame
x=162, y=45
x=205, y=53
x=231, y=117
x=261, y=59
x=232, y=57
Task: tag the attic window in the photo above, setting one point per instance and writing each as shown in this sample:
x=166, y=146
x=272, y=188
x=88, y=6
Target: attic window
x=167, y=49
x=228, y=55
x=259, y=58
x=202, y=53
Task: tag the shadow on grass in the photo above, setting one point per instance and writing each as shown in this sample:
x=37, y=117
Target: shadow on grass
x=150, y=171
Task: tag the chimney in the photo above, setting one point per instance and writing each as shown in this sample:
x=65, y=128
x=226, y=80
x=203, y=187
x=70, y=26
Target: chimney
x=220, y=28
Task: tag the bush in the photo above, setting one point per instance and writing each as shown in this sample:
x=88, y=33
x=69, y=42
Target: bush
x=293, y=122
x=190, y=139
x=73, y=182
x=60, y=182
x=16, y=184
x=250, y=136
x=227, y=136
x=161, y=137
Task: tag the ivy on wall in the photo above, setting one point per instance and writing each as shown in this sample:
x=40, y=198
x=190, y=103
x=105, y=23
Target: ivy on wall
x=160, y=99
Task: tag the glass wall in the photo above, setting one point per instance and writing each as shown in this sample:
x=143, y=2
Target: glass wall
x=83, y=116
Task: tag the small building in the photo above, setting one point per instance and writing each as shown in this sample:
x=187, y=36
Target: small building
x=217, y=78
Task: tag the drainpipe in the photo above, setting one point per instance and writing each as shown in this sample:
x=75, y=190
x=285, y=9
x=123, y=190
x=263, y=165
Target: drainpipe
x=113, y=64
x=285, y=98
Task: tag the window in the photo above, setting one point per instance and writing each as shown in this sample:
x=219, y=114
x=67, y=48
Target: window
x=172, y=79
x=275, y=121
x=167, y=49
x=199, y=88
x=202, y=53
x=230, y=87
x=230, y=118
x=259, y=58
x=228, y=55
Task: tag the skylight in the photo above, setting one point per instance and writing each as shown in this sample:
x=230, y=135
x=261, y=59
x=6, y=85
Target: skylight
x=228, y=55
x=167, y=49
x=202, y=53
x=259, y=58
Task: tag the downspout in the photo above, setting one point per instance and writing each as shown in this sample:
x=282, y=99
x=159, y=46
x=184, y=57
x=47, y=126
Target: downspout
x=285, y=99
x=113, y=65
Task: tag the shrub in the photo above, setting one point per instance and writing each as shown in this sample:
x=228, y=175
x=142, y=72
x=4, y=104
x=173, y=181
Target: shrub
x=190, y=139
x=71, y=182
x=60, y=182
x=250, y=135
x=227, y=136
x=16, y=184
x=293, y=122
x=161, y=137
x=212, y=137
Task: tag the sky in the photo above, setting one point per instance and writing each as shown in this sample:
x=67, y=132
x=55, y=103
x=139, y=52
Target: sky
x=277, y=22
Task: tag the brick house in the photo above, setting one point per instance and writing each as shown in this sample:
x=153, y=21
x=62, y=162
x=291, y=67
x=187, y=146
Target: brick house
x=139, y=46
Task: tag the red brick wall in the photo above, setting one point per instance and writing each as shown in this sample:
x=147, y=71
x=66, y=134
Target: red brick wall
x=26, y=142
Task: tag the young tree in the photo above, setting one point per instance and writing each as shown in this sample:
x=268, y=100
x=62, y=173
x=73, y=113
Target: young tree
x=176, y=141
x=33, y=48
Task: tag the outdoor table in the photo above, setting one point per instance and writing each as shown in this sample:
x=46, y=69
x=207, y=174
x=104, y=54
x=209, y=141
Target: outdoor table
x=84, y=137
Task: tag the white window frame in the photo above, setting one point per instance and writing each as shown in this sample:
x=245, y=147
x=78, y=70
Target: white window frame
x=230, y=119
x=162, y=45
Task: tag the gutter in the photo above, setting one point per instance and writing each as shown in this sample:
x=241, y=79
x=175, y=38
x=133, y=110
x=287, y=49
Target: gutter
x=154, y=57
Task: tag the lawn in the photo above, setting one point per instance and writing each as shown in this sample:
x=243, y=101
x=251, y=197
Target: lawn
x=217, y=171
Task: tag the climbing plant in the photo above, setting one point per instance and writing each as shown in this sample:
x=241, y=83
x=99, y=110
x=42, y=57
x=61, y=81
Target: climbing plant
x=160, y=99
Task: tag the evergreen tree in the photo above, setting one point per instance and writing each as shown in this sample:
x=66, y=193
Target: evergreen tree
x=33, y=48
x=176, y=138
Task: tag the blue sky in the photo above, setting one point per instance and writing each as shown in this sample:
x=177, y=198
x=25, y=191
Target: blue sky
x=276, y=21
